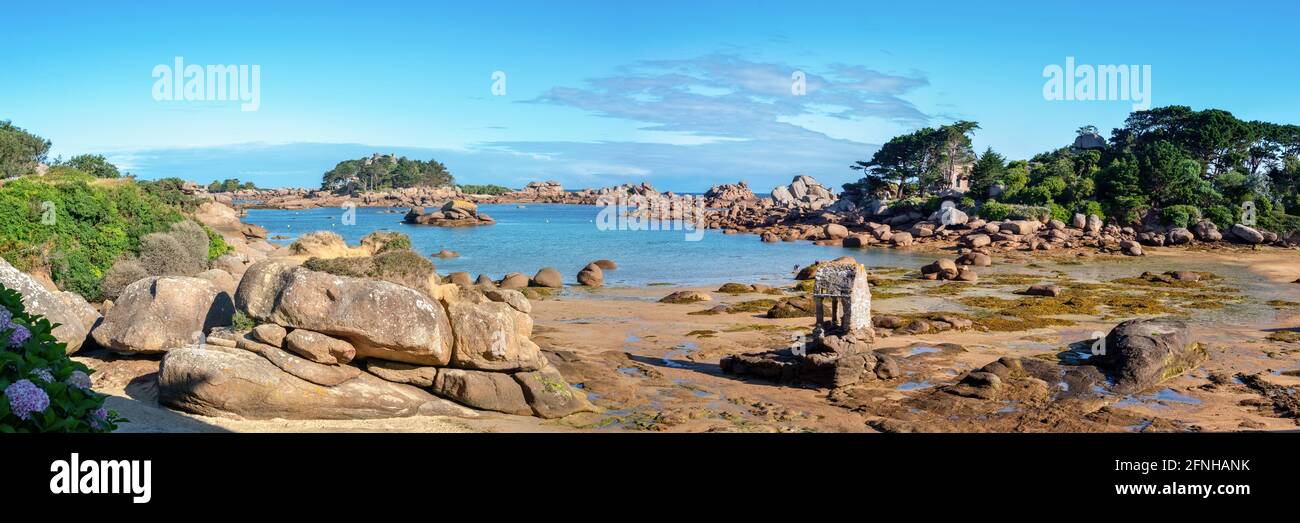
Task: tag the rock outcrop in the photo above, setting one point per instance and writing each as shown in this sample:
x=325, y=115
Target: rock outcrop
x=804, y=192
x=161, y=313
x=72, y=318
x=1140, y=354
x=455, y=213
x=422, y=352
x=230, y=382
x=379, y=318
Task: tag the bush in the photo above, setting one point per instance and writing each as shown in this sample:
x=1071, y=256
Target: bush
x=241, y=322
x=403, y=267
x=94, y=165
x=183, y=251
x=383, y=241
x=493, y=190
x=171, y=192
x=1089, y=208
x=76, y=226
x=44, y=390
x=217, y=245
x=1222, y=216
x=994, y=211
x=1180, y=215
x=1280, y=223
x=20, y=150
x=1060, y=213
x=123, y=273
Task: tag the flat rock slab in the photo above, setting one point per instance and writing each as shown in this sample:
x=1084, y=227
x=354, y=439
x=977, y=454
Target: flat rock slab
x=219, y=381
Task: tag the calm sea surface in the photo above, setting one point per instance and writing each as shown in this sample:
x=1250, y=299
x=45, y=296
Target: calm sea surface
x=566, y=237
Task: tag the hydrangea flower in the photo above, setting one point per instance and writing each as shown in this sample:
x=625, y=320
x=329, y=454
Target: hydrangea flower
x=43, y=374
x=26, y=398
x=5, y=318
x=79, y=380
x=19, y=336
x=99, y=418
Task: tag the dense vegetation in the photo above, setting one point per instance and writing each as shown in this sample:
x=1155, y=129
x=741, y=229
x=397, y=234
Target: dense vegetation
x=385, y=172
x=44, y=389
x=20, y=151
x=77, y=225
x=494, y=190
x=1171, y=165
x=916, y=164
x=93, y=164
x=230, y=185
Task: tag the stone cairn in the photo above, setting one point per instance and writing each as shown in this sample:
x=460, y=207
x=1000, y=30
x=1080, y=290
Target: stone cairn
x=838, y=351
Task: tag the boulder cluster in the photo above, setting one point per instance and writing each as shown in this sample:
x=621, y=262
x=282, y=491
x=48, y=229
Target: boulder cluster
x=312, y=198
x=455, y=213
x=546, y=278
x=804, y=192
x=329, y=346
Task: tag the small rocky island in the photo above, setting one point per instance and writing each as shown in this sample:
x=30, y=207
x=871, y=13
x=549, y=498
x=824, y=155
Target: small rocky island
x=455, y=213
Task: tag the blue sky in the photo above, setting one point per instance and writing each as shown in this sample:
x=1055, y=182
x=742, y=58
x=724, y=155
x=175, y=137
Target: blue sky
x=681, y=94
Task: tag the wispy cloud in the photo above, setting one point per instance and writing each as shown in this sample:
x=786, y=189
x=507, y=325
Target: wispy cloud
x=712, y=119
x=730, y=96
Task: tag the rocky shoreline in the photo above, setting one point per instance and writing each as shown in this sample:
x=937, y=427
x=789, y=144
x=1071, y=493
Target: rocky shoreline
x=804, y=210
x=321, y=330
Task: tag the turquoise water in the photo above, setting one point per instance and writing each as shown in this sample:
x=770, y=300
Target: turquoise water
x=566, y=237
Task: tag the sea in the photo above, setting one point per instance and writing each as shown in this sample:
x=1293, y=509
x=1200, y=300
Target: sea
x=567, y=237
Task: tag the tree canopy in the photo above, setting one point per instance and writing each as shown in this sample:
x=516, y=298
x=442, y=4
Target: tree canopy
x=230, y=185
x=385, y=172
x=916, y=164
x=95, y=165
x=20, y=151
x=1174, y=161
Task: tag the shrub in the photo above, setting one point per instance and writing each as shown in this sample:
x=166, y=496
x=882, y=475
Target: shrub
x=123, y=273
x=994, y=211
x=1180, y=215
x=20, y=150
x=318, y=241
x=1222, y=216
x=77, y=226
x=171, y=191
x=95, y=165
x=383, y=241
x=1089, y=208
x=403, y=267
x=181, y=252
x=1059, y=213
x=241, y=322
x=1280, y=223
x=44, y=390
x=217, y=245
x=484, y=189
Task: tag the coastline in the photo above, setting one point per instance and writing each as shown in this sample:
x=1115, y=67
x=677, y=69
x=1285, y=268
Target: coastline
x=654, y=366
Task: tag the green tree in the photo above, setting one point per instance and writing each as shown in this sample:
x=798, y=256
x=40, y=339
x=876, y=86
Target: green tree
x=20, y=151
x=385, y=172
x=988, y=170
x=95, y=165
